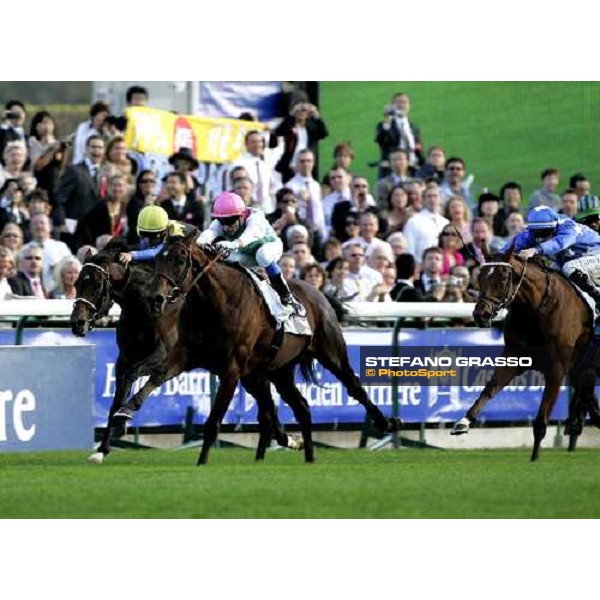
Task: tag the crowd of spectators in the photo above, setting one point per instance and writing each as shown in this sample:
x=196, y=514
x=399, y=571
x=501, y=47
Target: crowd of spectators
x=416, y=236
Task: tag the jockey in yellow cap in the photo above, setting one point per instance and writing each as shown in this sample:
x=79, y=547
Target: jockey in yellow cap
x=153, y=227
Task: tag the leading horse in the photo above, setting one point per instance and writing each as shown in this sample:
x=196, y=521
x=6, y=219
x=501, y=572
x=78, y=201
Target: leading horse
x=544, y=312
x=227, y=318
x=147, y=342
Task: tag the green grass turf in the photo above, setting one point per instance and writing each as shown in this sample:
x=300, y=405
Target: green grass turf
x=504, y=131
x=342, y=484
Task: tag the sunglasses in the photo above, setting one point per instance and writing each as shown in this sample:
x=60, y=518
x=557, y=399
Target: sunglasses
x=450, y=233
x=147, y=181
x=32, y=257
x=228, y=220
x=359, y=185
x=455, y=168
x=357, y=255
x=351, y=223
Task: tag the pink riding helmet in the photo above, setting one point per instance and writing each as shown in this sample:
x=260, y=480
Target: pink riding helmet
x=228, y=204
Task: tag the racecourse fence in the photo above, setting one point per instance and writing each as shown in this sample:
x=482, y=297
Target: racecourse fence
x=186, y=399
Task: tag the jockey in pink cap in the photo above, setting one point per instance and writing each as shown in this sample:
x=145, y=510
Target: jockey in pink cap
x=251, y=239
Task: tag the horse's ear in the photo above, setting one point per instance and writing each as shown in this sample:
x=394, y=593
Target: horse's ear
x=509, y=252
x=191, y=235
x=485, y=251
x=88, y=255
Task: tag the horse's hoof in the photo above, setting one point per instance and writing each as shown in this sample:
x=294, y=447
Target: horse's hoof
x=461, y=427
x=295, y=443
x=394, y=424
x=96, y=459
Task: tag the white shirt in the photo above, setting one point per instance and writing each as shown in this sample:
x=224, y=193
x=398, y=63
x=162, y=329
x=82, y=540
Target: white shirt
x=422, y=232
x=301, y=145
x=299, y=184
x=366, y=279
x=261, y=175
x=84, y=131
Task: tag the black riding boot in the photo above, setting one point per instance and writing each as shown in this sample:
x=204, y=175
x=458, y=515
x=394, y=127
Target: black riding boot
x=586, y=284
x=281, y=287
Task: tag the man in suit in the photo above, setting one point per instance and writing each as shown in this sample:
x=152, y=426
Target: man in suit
x=178, y=205
x=430, y=283
x=78, y=190
x=28, y=280
x=405, y=290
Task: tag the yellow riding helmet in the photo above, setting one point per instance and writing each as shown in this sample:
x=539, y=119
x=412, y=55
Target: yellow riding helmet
x=152, y=219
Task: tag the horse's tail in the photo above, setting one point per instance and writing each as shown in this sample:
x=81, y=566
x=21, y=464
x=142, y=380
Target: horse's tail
x=307, y=368
x=338, y=307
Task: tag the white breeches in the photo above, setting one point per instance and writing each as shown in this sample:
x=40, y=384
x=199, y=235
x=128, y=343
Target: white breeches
x=588, y=263
x=267, y=254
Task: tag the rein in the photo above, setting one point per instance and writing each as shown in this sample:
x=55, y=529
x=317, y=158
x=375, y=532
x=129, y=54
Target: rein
x=502, y=304
x=177, y=292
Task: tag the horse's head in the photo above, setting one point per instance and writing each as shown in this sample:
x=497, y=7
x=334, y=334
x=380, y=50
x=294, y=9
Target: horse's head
x=500, y=277
x=94, y=296
x=174, y=268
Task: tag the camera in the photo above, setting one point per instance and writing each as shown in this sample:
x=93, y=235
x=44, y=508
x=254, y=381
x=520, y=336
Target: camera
x=391, y=110
x=12, y=115
x=455, y=281
x=64, y=144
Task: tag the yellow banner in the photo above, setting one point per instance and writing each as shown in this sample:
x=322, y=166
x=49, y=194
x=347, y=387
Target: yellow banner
x=155, y=131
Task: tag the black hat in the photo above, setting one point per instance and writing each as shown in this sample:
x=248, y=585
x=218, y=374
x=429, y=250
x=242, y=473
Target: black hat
x=184, y=153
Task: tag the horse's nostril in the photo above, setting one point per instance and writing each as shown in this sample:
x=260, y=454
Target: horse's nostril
x=158, y=300
x=80, y=323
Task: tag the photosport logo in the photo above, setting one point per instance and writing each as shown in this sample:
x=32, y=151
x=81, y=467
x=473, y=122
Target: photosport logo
x=444, y=365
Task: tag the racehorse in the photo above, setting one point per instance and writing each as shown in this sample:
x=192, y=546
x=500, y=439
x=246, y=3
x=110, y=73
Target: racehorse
x=147, y=342
x=544, y=311
x=227, y=317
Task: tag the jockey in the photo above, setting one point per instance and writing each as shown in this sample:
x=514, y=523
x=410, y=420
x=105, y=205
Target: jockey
x=251, y=239
x=575, y=247
x=153, y=228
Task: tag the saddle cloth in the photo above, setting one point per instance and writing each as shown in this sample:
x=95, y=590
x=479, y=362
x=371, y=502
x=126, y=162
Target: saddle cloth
x=296, y=324
x=591, y=306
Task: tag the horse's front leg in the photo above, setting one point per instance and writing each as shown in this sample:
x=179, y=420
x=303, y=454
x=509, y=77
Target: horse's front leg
x=124, y=381
x=501, y=378
x=540, y=424
x=223, y=397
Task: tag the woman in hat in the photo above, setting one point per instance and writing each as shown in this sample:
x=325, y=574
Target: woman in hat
x=185, y=162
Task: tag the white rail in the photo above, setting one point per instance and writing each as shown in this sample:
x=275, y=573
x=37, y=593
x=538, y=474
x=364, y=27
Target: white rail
x=42, y=308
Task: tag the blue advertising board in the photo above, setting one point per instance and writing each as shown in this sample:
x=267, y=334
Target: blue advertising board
x=329, y=400
x=46, y=397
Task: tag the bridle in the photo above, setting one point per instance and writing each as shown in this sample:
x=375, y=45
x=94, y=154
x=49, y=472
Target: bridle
x=106, y=292
x=499, y=305
x=177, y=287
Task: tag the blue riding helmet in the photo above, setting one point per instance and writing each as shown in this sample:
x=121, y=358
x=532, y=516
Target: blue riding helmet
x=542, y=221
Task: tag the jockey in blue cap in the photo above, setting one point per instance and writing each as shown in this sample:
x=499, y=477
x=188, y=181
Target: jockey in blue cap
x=574, y=247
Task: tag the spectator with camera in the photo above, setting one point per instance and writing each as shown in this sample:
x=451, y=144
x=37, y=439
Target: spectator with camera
x=301, y=131
x=360, y=202
x=547, y=195
x=99, y=112
x=434, y=167
x=47, y=155
x=12, y=125
x=400, y=174
x=285, y=215
x=397, y=132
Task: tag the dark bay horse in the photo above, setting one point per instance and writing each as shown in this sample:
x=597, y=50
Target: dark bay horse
x=544, y=311
x=147, y=342
x=226, y=318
